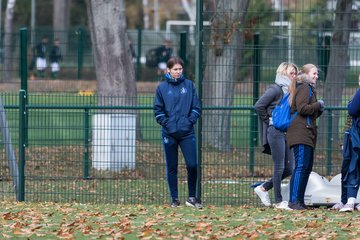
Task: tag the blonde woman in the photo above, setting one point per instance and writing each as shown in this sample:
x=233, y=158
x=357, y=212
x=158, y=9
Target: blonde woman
x=302, y=132
x=274, y=140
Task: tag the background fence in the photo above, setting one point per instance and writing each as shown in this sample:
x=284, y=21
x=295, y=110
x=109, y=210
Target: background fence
x=71, y=151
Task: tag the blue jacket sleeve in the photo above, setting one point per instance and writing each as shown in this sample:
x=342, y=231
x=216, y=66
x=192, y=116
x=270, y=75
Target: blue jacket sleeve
x=159, y=108
x=354, y=105
x=195, y=111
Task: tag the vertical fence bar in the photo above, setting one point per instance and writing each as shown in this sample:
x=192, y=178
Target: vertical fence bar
x=329, y=144
x=182, y=51
x=20, y=196
x=24, y=71
x=80, y=52
x=23, y=58
x=326, y=54
x=198, y=82
x=253, y=118
x=138, y=56
x=86, y=143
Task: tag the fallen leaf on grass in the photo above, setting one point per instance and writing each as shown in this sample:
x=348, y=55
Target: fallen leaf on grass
x=17, y=231
x=313, y=224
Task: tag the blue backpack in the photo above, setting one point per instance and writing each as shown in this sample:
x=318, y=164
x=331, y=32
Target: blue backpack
x=281, y=115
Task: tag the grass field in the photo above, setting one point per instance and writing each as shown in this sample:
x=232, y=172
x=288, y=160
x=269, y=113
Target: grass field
x=86, y=221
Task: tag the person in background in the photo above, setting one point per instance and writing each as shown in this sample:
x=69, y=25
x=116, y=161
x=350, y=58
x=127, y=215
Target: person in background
x=302, y=132
x=350, y=171
x=176, y=109
x=40, y=53
x=164, y=53
x=274, y=140
x=131, y=49
x=55, y=58
x=346, y=151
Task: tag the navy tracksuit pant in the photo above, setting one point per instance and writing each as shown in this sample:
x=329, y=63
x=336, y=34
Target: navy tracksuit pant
x=304, y=158
x=347, y=191
x=187, y=144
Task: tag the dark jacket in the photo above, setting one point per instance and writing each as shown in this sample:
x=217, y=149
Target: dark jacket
x=354, y=105
x=55, y=54
x=303, y=129
x=40, y=50
x=264, y=107
x=164, y=53
x=176, y=105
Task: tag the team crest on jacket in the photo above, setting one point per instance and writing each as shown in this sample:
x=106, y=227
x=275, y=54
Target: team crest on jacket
x=183, y=90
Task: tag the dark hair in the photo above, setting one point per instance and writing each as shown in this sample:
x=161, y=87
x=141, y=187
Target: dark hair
x=174, y=60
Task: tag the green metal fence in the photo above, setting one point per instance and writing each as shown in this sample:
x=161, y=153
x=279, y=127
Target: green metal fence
x=66, y=149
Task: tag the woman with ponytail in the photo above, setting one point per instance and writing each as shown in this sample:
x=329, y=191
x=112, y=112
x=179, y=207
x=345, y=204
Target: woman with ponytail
x=302, y=132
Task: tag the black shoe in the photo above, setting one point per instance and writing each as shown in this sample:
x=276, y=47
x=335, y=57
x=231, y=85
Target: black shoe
x=193, y=202
x=304, y=206
x=296, y=206
x=175, y=203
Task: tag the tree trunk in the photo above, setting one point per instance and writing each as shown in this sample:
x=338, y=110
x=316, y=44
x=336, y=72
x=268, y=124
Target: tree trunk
x=8, y=43
x=113, y=62
x=336, y=74
x=61, y=19
x=146, y=14
x=190, y=9
x=223, y=63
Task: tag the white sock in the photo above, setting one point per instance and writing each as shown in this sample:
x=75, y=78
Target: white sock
x=351, y=200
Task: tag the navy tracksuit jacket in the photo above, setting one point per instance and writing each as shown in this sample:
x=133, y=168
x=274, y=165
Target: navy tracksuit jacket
x=176, y=109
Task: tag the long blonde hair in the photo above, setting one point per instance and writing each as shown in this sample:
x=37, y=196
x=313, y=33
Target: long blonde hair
x=303, y=76
x=285, y=68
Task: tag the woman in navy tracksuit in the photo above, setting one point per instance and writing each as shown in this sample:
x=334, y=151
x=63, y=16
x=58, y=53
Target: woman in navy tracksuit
x=176, y=109
x=350, y=172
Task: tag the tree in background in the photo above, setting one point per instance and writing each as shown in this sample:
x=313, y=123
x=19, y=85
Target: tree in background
x=61, y=22
x=8, y=40
x=113, y=62
x=222, y=66
x=336, y=73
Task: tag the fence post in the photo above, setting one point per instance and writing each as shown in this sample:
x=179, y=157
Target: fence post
x=20, y=196
x=138, y=56
x=326, y=54
x=24, y=71
x=329, y=144
x=253, y=118
x=86, y=143
x=198, y=82
x=80, y=52
x=23, y=58
x=182, y=50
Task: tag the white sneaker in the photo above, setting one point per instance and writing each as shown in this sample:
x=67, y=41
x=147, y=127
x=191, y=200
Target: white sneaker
x=284, y=205
x=347, y=208
x=263, y=195
x=337, y=206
